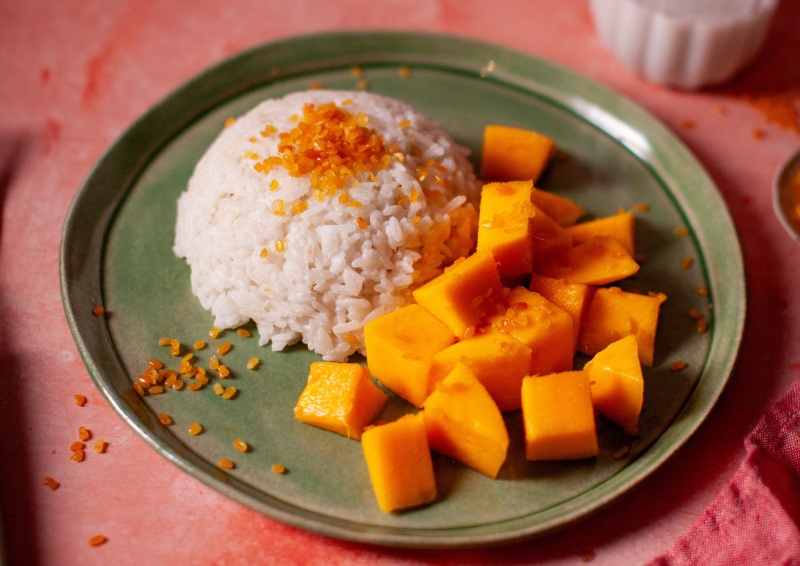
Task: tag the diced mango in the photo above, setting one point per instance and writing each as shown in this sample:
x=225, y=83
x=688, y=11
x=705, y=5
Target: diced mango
x=399, y=463
x=614, y=314
x=615, y=376
x=549, y=239
x=400, y=346
x=596, y=262
x=463, y=422
x=541, y=326
x=505, y=224
x=619, y=226
x=340, y=398
x=559, y=417
x=573, y=298
x=498, y=360
x=513, y=154
x=463, y=294
x=564, y=211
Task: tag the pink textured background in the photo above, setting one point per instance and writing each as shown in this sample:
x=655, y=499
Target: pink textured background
x=76, y=73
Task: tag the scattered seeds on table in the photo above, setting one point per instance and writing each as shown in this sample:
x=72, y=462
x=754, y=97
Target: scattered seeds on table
x=80, y=400
x=195, y=429
x=97, y=540
x=51, y=483
x=240, y=445
x=675, y=366
x=225, y=463
x=165, y=419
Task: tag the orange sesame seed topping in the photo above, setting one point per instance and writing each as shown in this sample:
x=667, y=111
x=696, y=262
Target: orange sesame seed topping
x=681, y=231
x=361, y=223
x=223, y=371
x=224, y=348
x=195, y=429
x=350, y=339
x=225, y=463
x=229, y=392
x=77, y=445
x=229, y=122
x=213, y=363
x=264, y=252
x=702, y=291
x=97, y=540
x=404, y=71
x=315, y=85
x=51, y=483
x=178, y=385
x=279, y=246
x=100, y=446
x=164, y=419
x=240, y=445
x=77, y=455
x=195, y=386
x=155, y=390
x=416, y=220
x=218, y=389
x=414, y=196
x=273, y=185
x=243, y=332
x=347, y=102
x=252, y=363
x=404, y=123
x=675, y=366
x=98, y=310
x=164, y=342
x=686, y=263
x=354, y=203
x=84, y=434
x=253, y=140
x=214, y=332
x=80, y=400
x=702, y=326
x=620, y=453
x=642, y=207
x=278, y=469
x=694, y=313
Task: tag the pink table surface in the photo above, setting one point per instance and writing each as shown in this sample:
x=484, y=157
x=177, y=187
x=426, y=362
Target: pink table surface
x=74, y=74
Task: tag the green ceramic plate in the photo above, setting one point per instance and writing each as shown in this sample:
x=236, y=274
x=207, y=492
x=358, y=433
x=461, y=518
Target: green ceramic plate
x=116, y=251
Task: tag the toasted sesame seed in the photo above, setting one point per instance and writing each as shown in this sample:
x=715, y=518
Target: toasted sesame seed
x=279, y=246
x=223, y=371
x=224, y=348
x=229, y=392
x=164, y=342
x=80, y=400
x=178, y=385
x=218, y=389
x=243, y=332
x=201, y=378
x=195, y=386
x=225, y=463
x=240, y=445
x=278, y=469
x=155, y=390
x=164, y=419
x=195, y=429
x=214, y=332
x=199, y=345
x=97, y=540
x=213, y=363
x=252, y=363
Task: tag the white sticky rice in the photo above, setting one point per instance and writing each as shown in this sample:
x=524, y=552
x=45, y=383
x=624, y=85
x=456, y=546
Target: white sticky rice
x=333, y=276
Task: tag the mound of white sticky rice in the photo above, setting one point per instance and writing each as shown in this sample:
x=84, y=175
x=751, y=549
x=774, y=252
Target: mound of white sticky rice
x=333, y=275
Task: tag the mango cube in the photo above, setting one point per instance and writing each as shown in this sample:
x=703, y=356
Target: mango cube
x=340, y=398
x=615, y=376
x=558, y=416
x=400, y=346
x=549, y=239
x=505, y=224
x=463, y=422
x=464, y=293
x=564, y=211
x=399, y=463
x=513, y=154
x=572, y=298
x=541, y=326
x=601, y=260
x=614, y=314
x=498, y=360
x=619, y=226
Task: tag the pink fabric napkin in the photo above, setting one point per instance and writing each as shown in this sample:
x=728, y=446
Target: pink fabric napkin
x=756, y=519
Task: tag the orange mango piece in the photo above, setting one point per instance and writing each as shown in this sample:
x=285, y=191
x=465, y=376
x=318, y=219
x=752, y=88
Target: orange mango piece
x=564, y=211
x=400, y=346
x=498, y=360
x=541, y=326
x=549, y=239
x=464, y=293
x=558, y=417
x=513, y=154
x=572, y=298
x=619, y=226
x=399, y=463
x=614, y=314
x=615, y=376
x=463, y=422
x=601, y=260
x=341, y=398
x=505, y=224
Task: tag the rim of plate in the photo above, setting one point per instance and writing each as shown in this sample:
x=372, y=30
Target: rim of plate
x=80, y=260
